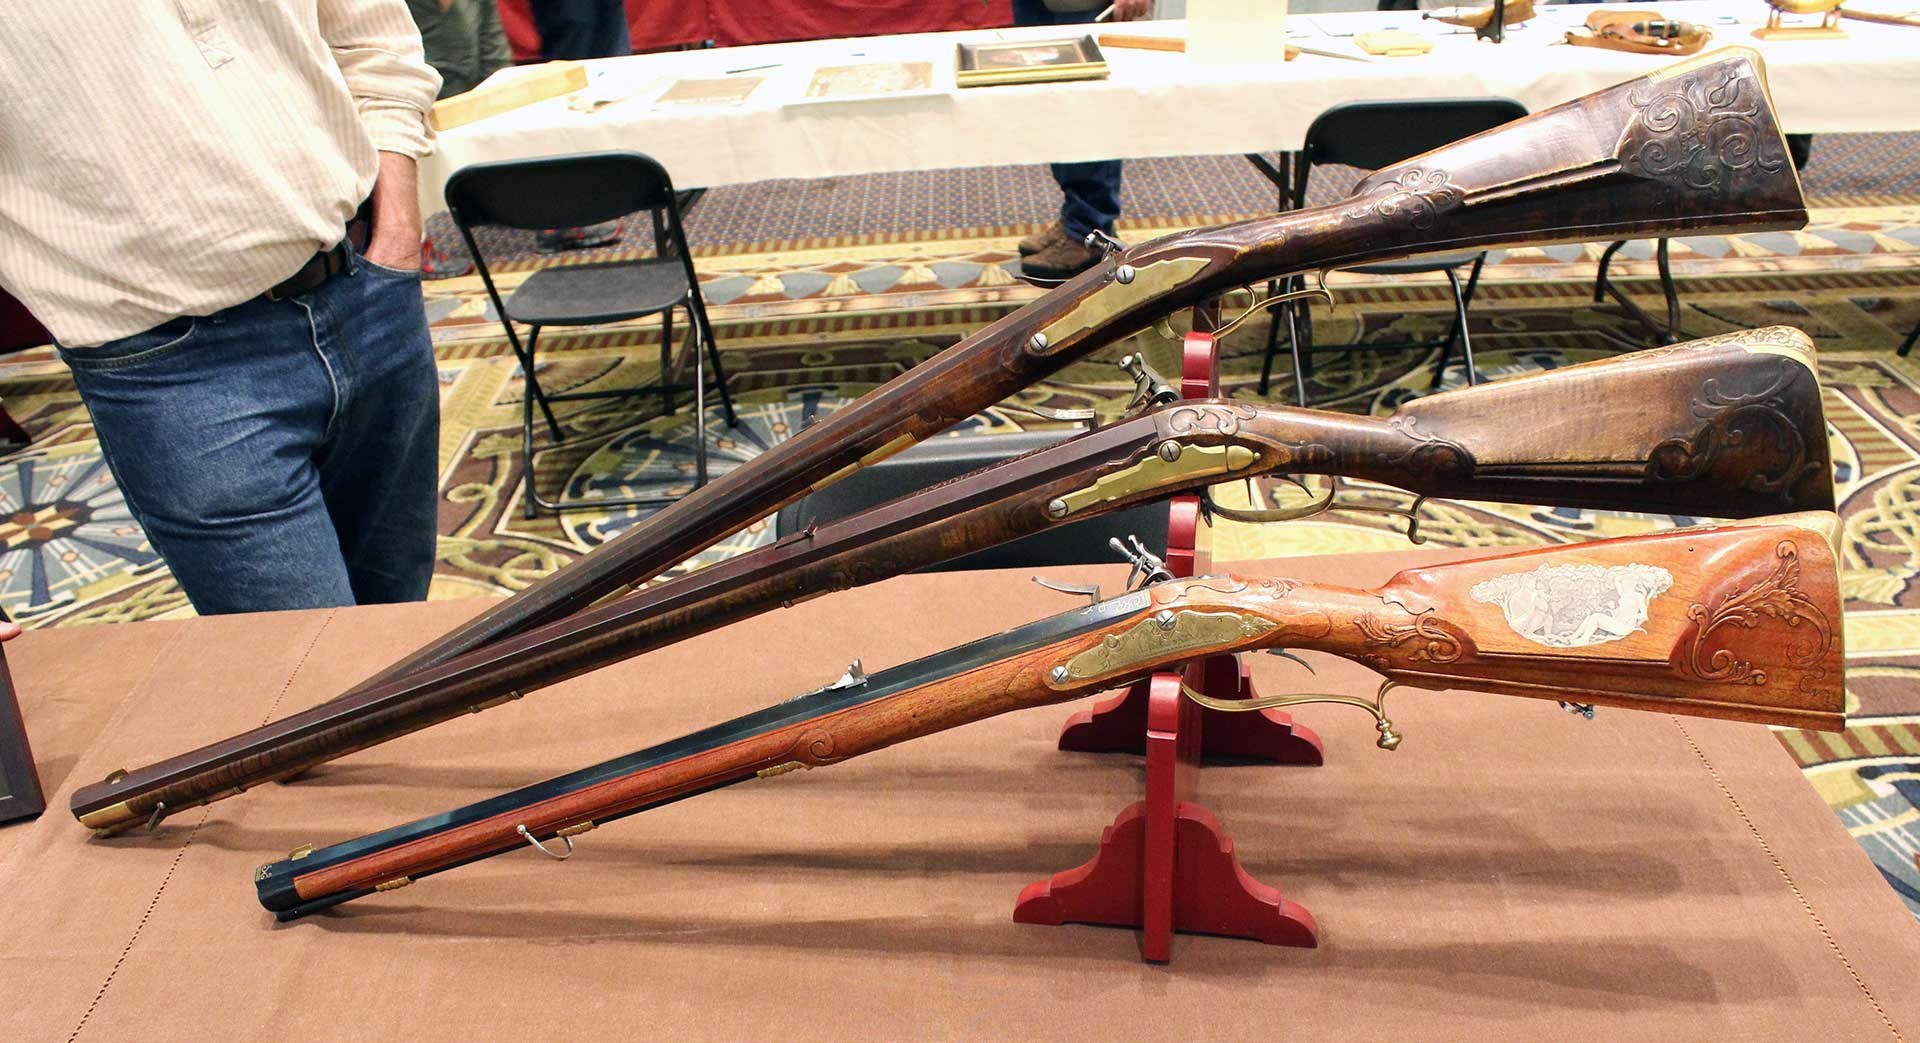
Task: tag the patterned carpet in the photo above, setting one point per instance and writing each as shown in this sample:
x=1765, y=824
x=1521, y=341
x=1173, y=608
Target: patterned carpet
x=808, y=324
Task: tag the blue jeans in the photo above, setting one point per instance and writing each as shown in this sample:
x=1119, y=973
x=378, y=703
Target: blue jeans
x=280, y=454
x=1090, y=192
x=581, y=28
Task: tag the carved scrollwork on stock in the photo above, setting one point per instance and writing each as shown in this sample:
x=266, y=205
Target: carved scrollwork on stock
x=1200, y=586
x=1278, y=588
x=1430, y=453
x=1731, y=419
x=1776, y=597
x=815, y=748
x=1224, y=419
x=1416, y=197
x=1699, y=135
x=1432, y=642
x=1784, y=338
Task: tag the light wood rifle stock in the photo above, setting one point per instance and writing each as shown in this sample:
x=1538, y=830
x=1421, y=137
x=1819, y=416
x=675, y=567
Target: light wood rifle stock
x=1739, y=622
x=1692, y=147
x=1726, y=426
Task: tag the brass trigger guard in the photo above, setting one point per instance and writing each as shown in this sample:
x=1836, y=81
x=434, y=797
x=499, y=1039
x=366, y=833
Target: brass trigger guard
x=1389, y=739
x=1261, y=303
x=1326, y=503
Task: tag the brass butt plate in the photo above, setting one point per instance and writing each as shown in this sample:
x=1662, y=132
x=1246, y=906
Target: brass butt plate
x=108, y=819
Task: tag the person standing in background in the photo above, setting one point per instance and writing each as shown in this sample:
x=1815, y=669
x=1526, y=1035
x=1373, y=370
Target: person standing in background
x=580, y=29
x=213, y=209
x=463, y=41
x=1090, y=192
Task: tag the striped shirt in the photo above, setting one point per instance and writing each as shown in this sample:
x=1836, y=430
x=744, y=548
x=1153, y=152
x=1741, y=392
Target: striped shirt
x=161, y=158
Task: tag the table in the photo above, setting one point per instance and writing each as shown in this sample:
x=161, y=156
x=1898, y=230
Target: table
x=1153, y=104
x=1510, y=872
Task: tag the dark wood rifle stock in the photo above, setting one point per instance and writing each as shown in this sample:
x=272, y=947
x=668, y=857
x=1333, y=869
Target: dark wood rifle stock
x=1739, y=622
x=1726, y=426
x=1692, y=147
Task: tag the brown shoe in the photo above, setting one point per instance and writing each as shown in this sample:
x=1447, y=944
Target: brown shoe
x=1042, y=239
x=1061, y=260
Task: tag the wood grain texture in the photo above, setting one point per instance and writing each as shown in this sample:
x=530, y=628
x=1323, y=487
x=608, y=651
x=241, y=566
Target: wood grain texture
x=1729, y=425
x=1742, y=624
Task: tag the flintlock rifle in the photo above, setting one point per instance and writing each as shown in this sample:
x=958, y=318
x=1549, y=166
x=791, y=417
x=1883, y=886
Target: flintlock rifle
x=1737, y=622
x=1727, y=426
x=1692, y=147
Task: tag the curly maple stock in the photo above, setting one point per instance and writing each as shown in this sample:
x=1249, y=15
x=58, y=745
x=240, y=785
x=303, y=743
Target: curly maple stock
x=1692, y=147
x=1737, y=622
x=1726, y=426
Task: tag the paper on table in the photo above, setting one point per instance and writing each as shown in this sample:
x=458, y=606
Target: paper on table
x=1234, y=32
x=609, y=84
x=717, y=92
x=872, y=80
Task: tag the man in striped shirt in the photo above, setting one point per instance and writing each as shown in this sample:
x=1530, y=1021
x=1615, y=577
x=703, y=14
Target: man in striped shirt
x=211, y=205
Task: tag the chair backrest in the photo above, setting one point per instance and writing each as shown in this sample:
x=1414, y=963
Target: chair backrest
x=558, y=191
x=1375, y=134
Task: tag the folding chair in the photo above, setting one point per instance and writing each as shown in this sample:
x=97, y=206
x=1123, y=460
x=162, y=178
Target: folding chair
x=1371, y=135
x=573, y=191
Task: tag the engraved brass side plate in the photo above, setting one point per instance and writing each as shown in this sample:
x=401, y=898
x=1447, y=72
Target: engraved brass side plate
x=1158, y=638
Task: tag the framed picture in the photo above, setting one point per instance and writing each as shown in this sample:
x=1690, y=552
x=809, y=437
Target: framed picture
x=20, y=795
x=1030, y=61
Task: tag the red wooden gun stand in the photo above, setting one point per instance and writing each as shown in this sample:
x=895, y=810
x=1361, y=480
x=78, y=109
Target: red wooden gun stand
x=1166, y=864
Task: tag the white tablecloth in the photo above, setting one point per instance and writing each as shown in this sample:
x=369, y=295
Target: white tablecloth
x=1154, y=103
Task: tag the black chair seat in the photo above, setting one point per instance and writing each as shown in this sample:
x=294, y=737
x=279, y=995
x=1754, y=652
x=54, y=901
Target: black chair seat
x=1417, y=265
x=586, y=294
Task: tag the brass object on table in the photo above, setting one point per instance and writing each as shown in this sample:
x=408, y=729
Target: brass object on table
x=1641, y=31
x=1777, y=29
x=1392, y=43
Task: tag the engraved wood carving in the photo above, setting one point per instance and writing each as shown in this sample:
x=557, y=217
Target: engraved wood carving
x=1777, y=597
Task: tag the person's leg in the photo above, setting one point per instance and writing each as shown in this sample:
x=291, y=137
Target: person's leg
x=209, y=426
x=610, y=35
x=566, y=28
x=1090, y=196
x=379, y=465
x=1034, y=12
x=1089, y=192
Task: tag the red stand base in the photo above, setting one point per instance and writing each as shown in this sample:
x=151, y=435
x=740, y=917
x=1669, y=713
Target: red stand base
x=1165, y=864
x=1212, y=894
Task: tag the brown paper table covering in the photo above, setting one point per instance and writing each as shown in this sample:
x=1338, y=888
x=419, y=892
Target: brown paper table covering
x=1510, y=872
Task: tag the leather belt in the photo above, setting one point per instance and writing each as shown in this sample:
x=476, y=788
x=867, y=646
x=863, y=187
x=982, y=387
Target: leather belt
x=327, y=263
x=318, y=269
